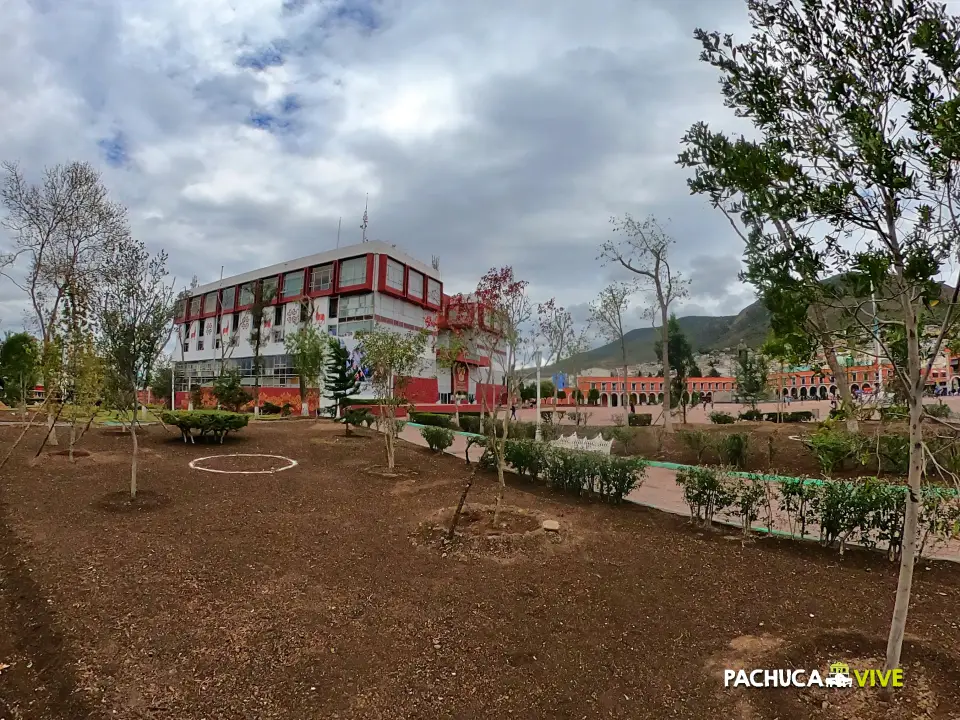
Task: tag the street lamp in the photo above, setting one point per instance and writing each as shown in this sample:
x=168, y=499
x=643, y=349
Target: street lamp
x=537, y=358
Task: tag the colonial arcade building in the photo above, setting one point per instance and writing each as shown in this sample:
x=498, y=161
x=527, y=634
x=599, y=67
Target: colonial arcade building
x=341, y=292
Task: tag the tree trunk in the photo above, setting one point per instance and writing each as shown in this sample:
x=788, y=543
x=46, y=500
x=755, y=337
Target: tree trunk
x=456, y=409
x=388, y=433
x=626, y=393
x=911, y=520
x=73, y=437
x=304, y=403
x=52, y=429
x=23, y=434
x=839, y=373
x=256, y=383
x=459, y=510
x=500, y=448
x=133, y=461
x=665, y=339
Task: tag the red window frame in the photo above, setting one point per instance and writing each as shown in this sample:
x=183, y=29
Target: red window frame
x=422, y=300
x=367, y=285
x=334, y=276
x=382, y=278
x=426, y=293
x=283, y=282
x=203, y=304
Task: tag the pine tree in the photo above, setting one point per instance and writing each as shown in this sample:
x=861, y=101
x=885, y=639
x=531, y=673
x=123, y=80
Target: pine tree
x=341, y=380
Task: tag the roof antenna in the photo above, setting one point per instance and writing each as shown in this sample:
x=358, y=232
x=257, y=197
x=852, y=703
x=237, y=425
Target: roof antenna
x=364, y=226
x=435, y=262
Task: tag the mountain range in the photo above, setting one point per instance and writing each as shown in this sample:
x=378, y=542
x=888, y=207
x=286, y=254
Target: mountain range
x=705, y=333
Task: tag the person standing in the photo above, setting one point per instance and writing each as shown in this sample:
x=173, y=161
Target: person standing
x=513, y=412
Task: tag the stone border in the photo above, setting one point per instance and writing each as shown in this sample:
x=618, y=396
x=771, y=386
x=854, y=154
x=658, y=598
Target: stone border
x=292, y=463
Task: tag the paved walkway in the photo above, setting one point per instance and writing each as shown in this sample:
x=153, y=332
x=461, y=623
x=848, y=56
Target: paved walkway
x=659, y=490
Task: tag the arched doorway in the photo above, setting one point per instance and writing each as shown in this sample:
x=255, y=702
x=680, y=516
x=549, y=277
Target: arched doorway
x=823, y=392
x=793, y=393
x=614, y=400
x=803, y=393
x=643, y=398
x=854, y=388
x=633, y=398
x=603, y=400
x=833, y=389
x=786, y=392
x=660, y=398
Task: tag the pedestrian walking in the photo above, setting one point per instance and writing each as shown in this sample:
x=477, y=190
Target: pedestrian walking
x=513, y=412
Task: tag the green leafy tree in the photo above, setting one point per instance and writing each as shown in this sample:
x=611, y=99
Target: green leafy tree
x=682, y=365
x=713, y=372
x=854, y=105
x=751, y=375
x=19, y=368
x=547, y=389
x=341, y=380
x=593, y=396
x=136, y=313
x=229, y=391
x=161, y=384
x=391, y=358
x=308, y=351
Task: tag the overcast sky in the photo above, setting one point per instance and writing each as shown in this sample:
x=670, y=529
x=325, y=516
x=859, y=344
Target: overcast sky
x=500, y=132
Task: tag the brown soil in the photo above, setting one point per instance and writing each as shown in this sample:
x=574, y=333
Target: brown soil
x=225, y=461
x=301, y=595
x=77, y=453
x=121, y=502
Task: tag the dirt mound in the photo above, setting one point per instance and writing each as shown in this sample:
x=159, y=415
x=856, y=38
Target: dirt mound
x=518, y=532
x=931, y=678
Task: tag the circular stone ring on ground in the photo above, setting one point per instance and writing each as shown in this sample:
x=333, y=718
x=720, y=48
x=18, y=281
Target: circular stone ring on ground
x=290, y=463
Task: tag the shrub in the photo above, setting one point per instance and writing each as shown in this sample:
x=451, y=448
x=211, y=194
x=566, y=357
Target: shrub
x=789, y=417
x=268, y=408
x=286, y=410
x=891, y=451
x=799, y=499
x=438, y=438
x=639, y=419
x=705, y=491
x=733, y=449
x=748, y=495
x=580, y=418
x=470, y=424
x=752, y=415
x=355, y=416
x=607, y=477
x=893, y=413
x=215, y=424
x=229, y=391
x=833, y=447
x=844, y=507
x=937, y=410
x=434, y=419
x=546, y=417
x=527, y=457
x=939, y=517
x=722, y=418
x=697, y=440
x=369, y=419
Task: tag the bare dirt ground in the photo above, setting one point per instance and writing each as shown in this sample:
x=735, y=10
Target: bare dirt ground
x=322, y=591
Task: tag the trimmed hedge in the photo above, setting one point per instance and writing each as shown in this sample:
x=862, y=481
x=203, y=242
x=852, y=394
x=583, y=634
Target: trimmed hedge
x=438, y=438
x=790, y=417
x=435, y=419
x=722, y=418
x=639, y=419
x=214, y=424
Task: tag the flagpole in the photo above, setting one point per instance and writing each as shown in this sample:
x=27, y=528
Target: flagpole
x=339, y=222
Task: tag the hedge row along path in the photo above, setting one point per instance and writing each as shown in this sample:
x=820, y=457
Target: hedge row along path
x=660, y=491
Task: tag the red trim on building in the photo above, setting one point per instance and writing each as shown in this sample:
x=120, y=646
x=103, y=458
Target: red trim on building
x=282, y=286
x=275, y=395
x=366, y=286
x=426, y=294
x=422, y=300
x=309, y=275
x=382, y=278
x=420, y=390
x=397, y=323
x=203, y=304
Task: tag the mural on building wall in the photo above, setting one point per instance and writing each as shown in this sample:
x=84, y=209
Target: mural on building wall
x=461, y=378
x=245, y=322
x=293, y=314
x=208, y=328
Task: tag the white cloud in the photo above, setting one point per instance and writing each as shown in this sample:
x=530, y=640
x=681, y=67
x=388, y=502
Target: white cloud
x=239, y=133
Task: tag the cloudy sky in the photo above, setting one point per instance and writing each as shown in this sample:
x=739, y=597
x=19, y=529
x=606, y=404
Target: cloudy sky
x=237, y=132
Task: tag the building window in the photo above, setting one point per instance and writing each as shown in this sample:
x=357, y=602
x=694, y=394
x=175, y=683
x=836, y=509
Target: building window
x=633, y=386
x=416, y=285
x=293, y=284
x=394, y=275
x=349, y=328
x=186, y=346
x=246, y=294
x=278, y=316
x=235, y=323
x=593, y=386
x=333, y=307
x=433, y=291
x=226, y=300
x=210, y=303
x=194, y=307
x=356, y=307
x=321, y=278
x=181, y=308
x=268, y=289
x=199, y=345
x=353, y=272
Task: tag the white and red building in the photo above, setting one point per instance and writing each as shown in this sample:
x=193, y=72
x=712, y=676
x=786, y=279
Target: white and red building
x=342, y=292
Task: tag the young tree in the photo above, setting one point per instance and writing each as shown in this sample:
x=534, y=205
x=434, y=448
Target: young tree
x=136, y=313
x=161, y=382
x=65, y=232
x=682, y=365
x=644, y=250
x=557, y=334
x=341, y=380
x=503, y=309
x=391, y=357
x=452, y=346
x=229, y=391
x=608, y=314
x=854, y=105
x=307, y=348
x=751, y=374
x=259, y=325
x=81, y=376
x=593, y=396
x=19, y=368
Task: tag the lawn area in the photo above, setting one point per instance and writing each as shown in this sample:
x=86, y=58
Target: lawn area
x=322, y=592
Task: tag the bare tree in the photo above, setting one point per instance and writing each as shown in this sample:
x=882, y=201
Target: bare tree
x=607, y=315
x=65, y=232
x=259, y=324
x=644, y=250
x=136, y=312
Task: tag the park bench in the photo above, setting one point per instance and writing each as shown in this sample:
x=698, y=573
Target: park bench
x=575, y=442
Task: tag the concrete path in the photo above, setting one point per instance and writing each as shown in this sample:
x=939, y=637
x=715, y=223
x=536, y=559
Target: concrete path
x=660, y=491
